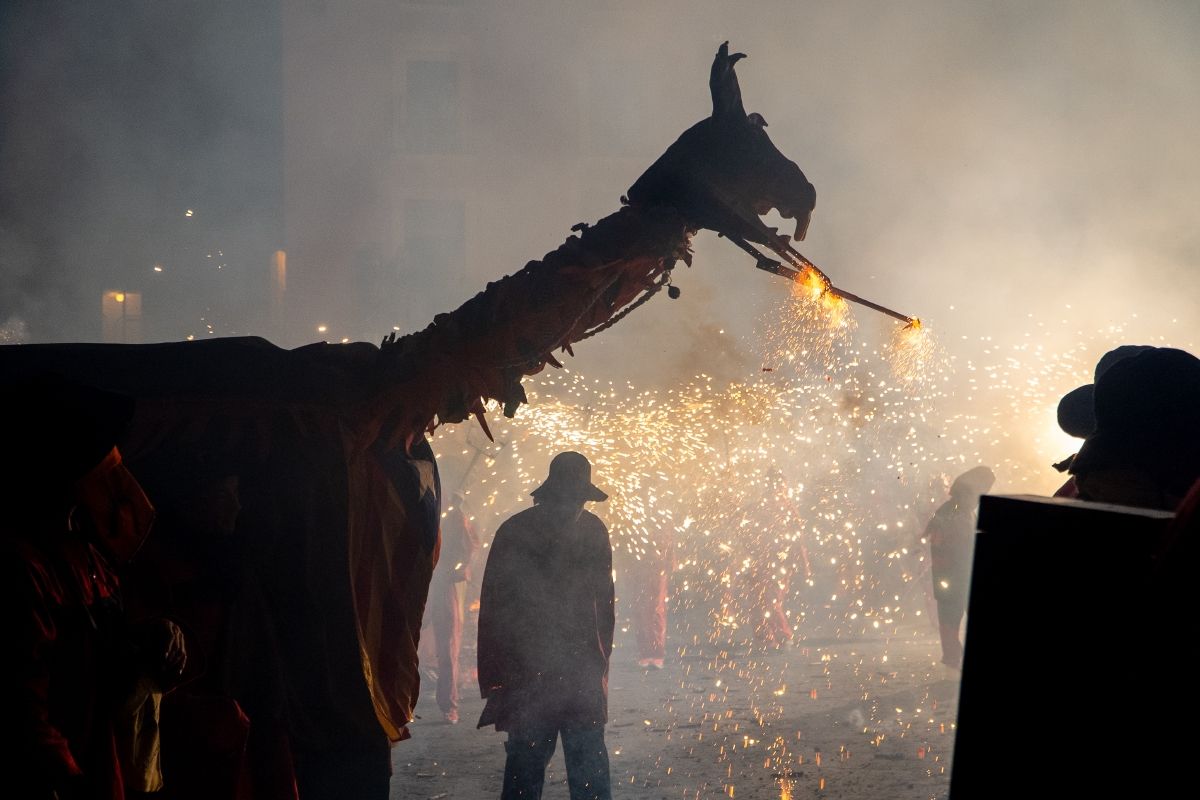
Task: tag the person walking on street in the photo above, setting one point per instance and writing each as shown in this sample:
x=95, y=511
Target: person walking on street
x=546, y=621
x=951, y=537
x=447, y=595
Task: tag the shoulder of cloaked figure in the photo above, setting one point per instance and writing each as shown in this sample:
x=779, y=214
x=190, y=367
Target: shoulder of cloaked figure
x=593, y=523
x=519, y=521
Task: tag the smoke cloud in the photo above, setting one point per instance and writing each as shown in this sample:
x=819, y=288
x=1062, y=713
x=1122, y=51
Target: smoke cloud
x=1010, y=173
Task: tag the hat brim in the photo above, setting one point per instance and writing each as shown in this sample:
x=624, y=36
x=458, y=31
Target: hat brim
x=588, y=492
x=1077, y=413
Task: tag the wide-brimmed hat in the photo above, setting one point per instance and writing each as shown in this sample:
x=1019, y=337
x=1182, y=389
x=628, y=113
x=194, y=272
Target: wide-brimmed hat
x=1076, y=409
x=570, y=476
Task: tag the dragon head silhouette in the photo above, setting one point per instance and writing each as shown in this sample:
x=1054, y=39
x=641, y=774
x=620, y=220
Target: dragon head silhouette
x=724, y=171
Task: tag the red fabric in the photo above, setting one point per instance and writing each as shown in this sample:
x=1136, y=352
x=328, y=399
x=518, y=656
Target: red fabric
x=546, y=621
x=459, y=546
x=1069, y=489
x=651, y=583
x=650, y=611
x=60, y=679
x=120, y=512
x=481, y=350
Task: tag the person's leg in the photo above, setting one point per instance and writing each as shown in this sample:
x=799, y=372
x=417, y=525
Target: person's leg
x=529, y=751
x=587, y=763
x=783, y=628
x=661, y=587
x=649, y=610
x=447, y=622
x=950, y=617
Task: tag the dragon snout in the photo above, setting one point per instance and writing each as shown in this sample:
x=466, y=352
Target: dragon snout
x=802, y=221
x=799, y=200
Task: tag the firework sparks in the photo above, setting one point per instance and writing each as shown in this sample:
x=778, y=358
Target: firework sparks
x=797, y=495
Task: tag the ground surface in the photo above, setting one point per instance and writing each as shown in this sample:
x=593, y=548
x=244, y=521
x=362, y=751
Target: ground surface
x=865, y=717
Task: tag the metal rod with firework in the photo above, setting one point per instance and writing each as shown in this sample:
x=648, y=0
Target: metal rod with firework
x=797, y=264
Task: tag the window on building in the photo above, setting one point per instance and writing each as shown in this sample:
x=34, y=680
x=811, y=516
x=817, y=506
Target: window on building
x=121, y=314
x=430, y=113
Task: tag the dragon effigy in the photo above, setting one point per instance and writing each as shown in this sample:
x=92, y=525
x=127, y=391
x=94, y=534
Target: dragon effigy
x=340, y=491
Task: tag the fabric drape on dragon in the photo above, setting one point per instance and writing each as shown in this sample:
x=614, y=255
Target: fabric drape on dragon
x=340, y=492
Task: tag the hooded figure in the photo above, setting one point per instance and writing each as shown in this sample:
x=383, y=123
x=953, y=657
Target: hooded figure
x=546, y=622
x=951, y=537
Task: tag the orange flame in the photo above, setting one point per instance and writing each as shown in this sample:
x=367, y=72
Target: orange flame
x=811, y=283
x=912, y=352
x=811, y=286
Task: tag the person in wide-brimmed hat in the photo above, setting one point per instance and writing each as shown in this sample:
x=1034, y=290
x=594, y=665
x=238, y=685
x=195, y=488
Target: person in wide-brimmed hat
x=1145, y=449
x=546, y=621
x=1076, y=409
x=570, y=477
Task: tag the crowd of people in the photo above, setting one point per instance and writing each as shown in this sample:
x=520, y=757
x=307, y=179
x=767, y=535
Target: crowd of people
x=118, y=681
